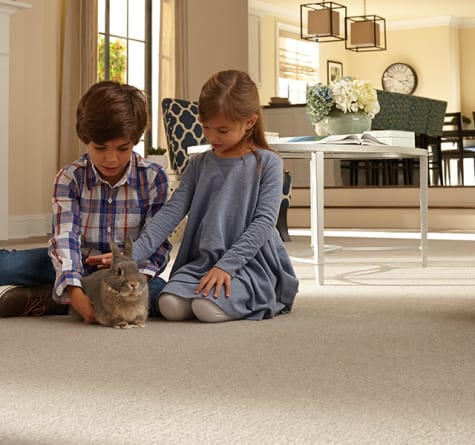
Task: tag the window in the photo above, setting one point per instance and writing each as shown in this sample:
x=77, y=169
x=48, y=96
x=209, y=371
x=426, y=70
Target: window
x=297, y=65
x=125, y=45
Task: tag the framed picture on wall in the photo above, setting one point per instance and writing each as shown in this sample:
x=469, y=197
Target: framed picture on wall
x=334, y=70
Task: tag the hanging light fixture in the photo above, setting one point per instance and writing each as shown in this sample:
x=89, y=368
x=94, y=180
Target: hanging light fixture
x=365, y=32
x=325, y=21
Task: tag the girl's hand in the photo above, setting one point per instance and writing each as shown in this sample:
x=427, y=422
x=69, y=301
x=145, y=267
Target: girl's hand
x=216, y=278
x=82, y=303
x=100, y=261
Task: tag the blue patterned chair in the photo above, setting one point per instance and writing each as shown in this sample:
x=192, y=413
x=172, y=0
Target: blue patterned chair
x=182, y=129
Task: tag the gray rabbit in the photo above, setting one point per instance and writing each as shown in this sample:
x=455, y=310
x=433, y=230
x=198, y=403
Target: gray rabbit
x=119, y=293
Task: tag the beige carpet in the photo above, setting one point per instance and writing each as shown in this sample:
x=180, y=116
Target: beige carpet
x=383, y=354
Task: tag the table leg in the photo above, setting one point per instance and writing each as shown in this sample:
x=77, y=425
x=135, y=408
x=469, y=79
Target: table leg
x=423, y=204
x=317, y=213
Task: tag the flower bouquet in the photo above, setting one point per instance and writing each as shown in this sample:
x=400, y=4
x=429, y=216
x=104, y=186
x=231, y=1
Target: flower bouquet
x=346, y=96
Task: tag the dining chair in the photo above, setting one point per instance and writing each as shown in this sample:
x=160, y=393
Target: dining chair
x=452, y=145
x=422, y=115
x=183, y=129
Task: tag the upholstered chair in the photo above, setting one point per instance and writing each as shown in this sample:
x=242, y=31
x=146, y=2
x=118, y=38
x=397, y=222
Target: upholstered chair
x=182, y=129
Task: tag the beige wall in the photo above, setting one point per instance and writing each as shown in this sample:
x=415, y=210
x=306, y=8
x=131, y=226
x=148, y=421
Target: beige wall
x=441, y=55
x=34, y=75
x=213, y=44
x=217, y=39
x=467, y=70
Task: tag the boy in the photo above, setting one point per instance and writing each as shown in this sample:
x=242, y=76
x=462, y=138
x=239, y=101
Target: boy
x=110, y=192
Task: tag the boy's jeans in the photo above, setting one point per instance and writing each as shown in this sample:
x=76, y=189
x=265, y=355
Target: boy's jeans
x=32, y=267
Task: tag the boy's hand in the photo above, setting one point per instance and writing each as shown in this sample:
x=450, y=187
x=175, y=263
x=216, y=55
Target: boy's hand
x=100, y=261
x=82, y=303
x=216, y=278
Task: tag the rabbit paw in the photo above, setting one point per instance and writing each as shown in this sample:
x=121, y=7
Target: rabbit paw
x=125, y=325
x=122, y=325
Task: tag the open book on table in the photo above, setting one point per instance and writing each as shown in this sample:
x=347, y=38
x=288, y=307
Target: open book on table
x=355, y=139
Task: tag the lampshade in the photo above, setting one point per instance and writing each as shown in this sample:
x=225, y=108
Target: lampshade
x=325, y=21
x=365, y=33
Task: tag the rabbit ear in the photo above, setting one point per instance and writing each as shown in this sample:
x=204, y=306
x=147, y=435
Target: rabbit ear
x=114, y=249
x=129, y=246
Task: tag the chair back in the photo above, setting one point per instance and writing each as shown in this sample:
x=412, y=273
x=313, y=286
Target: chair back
x=453, y=124
x=422, y=115
x=182, y=129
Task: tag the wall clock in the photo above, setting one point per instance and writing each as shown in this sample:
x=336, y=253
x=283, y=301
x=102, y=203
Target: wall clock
x=399, y=78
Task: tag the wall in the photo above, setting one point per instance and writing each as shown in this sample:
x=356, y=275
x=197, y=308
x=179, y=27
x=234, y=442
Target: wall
x=467, y=70
x=441, y=51
x=34, y=96
x=216, y=39
x=212, y=44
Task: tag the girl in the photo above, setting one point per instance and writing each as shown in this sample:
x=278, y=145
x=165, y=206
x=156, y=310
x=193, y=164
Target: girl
x=231, y=263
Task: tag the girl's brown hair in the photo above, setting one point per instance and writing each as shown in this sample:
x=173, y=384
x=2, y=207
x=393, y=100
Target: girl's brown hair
x=110, y=110
x=234, y=94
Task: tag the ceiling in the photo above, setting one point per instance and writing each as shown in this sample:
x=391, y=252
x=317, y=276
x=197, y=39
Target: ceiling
x=392, y=10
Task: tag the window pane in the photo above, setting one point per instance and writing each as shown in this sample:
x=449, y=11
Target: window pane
x=298, y=66
x=118, y=60
x=137, y=19
x=140, y=148
x=118, y=17
x=101, y=16
x=136, y=64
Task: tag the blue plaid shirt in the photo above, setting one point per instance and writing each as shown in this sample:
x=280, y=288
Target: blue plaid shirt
x=88, y=212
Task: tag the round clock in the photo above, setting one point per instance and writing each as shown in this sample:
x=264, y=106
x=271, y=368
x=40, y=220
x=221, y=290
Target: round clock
x=399, y=78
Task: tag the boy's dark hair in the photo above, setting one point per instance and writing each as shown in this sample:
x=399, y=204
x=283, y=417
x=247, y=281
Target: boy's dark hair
x=111, y=110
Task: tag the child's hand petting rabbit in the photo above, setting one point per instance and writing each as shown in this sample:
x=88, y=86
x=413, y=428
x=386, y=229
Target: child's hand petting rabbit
x=119, y=293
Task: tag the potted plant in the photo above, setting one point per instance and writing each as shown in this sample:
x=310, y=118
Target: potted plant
x=158, y=155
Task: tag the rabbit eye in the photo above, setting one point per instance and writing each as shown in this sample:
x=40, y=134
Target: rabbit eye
x=120, y=271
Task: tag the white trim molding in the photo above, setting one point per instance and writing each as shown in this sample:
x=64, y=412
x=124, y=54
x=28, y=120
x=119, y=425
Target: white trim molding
x=29, y=226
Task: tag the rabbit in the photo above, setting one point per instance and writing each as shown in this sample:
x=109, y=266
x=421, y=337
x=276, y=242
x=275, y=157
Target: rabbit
x=119, y=293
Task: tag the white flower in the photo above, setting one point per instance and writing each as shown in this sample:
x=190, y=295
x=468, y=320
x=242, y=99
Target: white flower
x=346, y=94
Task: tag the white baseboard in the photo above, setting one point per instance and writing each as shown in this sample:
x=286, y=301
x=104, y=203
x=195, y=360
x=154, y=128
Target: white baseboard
x=29, y=226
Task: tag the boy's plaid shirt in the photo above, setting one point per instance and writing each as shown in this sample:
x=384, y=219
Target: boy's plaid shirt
x=87, y=212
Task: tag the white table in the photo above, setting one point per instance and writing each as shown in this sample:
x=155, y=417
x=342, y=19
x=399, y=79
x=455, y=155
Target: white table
x=317, y=152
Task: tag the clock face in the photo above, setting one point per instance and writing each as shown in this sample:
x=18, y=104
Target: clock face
x=399, y=78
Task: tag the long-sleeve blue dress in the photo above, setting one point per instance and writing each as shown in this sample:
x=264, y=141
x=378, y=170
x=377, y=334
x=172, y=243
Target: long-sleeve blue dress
x=231, y=206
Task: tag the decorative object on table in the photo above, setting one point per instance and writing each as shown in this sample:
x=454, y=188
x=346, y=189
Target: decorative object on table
x=399, y=78
x=328, y=22
x=279, y=102
x=325, y=22
x=347, y=105
x=334, y=70
x=158, y=155
x=365, y=32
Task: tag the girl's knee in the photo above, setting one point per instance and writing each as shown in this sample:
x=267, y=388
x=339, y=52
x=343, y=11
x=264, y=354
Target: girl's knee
x=174, y=308
x=207, y=311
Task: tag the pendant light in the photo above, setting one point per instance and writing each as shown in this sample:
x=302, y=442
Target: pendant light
x=365, y=32
x=325, y=21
